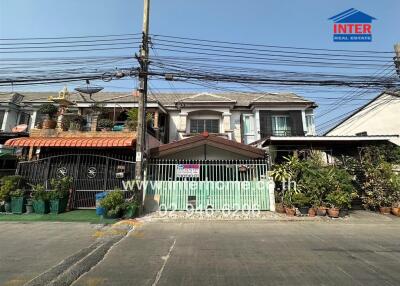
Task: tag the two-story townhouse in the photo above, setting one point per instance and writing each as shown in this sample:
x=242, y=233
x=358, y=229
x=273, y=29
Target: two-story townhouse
x=242, y=117
x=205, y=138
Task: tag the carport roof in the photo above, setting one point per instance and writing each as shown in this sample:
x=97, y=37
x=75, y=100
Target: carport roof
x=207, y=139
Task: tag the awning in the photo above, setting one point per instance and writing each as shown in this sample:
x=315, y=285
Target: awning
x=208, y=140
x=99, y=142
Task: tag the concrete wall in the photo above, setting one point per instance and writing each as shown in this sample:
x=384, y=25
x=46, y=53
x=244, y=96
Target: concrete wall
x=380, y=117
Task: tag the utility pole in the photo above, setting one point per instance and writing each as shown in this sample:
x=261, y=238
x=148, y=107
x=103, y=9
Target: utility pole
x=397, y=58
x=142, y=126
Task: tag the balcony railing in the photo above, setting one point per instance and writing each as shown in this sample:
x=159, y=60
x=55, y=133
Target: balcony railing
x=283, y=132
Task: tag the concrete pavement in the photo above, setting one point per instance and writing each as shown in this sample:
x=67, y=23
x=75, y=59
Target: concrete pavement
x=28, y=249
x=363, y=251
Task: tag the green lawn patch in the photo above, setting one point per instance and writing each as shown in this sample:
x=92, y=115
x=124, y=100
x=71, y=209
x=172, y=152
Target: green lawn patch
x=72, y=216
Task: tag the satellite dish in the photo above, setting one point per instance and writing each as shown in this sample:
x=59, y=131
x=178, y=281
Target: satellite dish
x=89, y=89
x=19, y=128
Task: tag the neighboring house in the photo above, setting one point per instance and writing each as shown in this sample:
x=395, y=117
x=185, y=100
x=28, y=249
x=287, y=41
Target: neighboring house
x=378, y=117
x=242, y=117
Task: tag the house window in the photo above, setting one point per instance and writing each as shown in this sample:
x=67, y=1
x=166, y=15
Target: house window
x=281, y=125
x=248, y=129
x=310, y=124
x=2, y=113
x=201, y=125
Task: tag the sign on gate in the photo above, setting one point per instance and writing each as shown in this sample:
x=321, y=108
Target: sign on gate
x=188, y=170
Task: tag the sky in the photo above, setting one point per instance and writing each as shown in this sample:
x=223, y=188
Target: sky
x=298, y=23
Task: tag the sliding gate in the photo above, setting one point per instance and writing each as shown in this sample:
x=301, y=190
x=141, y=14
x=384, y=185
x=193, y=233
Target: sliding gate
x=91, y=174
x=209, y=184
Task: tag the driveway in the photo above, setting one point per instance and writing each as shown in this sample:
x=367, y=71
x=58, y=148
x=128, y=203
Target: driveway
x=28, y=249
x=360, y=251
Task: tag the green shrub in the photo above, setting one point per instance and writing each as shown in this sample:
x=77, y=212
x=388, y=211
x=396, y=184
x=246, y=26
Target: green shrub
x=18, y=193
x=113, y=201
x=301, y=200
x=340, y=199
x=39, y=192
x=48, y=108
x=10, y=184
x=60, y=188
x=105, y=123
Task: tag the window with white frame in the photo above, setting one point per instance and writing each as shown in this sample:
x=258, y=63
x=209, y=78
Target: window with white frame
x=281, y=125
x=201, y=125
x=248, y=128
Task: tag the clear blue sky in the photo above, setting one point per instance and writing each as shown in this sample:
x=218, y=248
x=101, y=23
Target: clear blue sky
x=300, y=23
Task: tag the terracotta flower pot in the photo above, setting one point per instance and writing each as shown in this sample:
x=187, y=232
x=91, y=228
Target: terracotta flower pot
x=321, y=211
x=312, y=212
x=384, y=210
x=279, y=208
x=290, y=211
x=49, y=124
x=396, y=211
x=333, y=212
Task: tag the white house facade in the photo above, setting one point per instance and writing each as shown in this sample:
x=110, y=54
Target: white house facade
x=379, y=117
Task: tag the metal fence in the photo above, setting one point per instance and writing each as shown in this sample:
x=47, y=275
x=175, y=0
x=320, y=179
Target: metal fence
x=207, y=170
x=91, y=174
x=205, y=184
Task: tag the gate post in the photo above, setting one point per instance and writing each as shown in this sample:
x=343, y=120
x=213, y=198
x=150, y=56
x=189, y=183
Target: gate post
x=106, y=175
x=271, y=191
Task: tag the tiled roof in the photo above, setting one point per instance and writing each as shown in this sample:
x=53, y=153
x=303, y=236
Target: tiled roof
x=170, y=99
x=80, y=142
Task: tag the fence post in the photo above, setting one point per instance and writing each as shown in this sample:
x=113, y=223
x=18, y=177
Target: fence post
x=76, y=172
x=271, y=191
x=46, y=177
x=106, y=175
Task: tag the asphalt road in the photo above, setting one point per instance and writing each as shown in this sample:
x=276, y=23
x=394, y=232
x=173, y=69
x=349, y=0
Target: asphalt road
x=254, y=253
x=28, y=249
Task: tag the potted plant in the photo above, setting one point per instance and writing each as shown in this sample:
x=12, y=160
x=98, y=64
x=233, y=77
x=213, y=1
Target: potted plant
x=9, y=184
x=302, y=202
x=105, y=124
x=112, y=203
x=50, y=110
x=312, y=211
x=76, y=123
x=290, y=209
x=29, y=206
x=59, y=194
x=17, y=201
x=130, y=209
x=396, y=194
x=40, y=199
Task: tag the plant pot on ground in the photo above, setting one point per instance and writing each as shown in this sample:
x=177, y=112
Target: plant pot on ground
x=333, y=212
x=279, y=208
x=385, y=210
x=321, y=211
x=396, y=211
x=50, y=110
x=59, y=194
x=290, y=210
x=9, y=184
x=312, y=212
x=344, y=212
x=29, y=206
x=17, y=201
x=130, y=209
x=40, y=199
x=302, y=202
